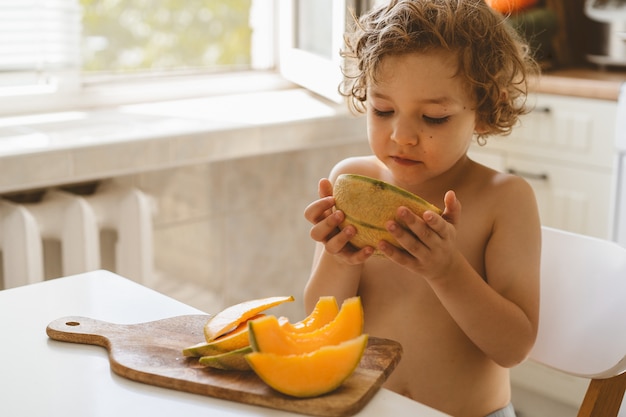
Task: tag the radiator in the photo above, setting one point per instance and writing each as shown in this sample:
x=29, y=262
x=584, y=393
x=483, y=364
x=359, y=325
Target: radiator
x=76, y=221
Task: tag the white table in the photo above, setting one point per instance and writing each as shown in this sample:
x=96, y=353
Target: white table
x=43, y=377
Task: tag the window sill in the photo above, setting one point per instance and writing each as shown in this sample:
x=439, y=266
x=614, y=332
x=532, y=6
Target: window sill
x=105, y=93
x=50, y=149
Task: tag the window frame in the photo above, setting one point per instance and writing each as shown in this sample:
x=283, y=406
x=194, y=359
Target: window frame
x=292, y=67
x=319, y=74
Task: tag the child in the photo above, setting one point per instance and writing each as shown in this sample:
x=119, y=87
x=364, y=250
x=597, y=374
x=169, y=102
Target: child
x=463, y=296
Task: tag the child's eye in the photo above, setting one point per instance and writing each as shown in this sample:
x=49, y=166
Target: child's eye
x=381, y=113
x=436, y=120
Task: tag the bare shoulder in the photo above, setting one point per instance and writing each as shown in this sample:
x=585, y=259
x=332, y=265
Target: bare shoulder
x=504, y=192
x=517, y=223
x=363, y=165
x=515, y=199
x=504, y=207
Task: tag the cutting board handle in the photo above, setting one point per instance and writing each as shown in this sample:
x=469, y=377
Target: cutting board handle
x=76, y=329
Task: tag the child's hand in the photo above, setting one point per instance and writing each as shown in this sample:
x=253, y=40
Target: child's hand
x=326, y=227
x=430, y=245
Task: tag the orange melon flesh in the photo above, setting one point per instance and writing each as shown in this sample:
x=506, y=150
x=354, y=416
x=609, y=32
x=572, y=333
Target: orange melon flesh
x=230, y=317
x=368, y=203
x=325, y=311
x=233, y=340
x=310, y=374
x=267, y=336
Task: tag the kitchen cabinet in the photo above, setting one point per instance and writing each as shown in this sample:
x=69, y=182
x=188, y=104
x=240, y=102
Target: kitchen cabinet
x=565, y=149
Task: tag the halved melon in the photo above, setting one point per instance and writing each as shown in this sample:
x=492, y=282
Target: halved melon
x=233, y=340
x=230, y=317
x=267, y=336
x=228, y=361
x=309, y=374
x=324, y=312
x=368, y=203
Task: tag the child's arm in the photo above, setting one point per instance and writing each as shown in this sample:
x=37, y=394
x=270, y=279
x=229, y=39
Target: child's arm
x=336, y=264
x=499, y=313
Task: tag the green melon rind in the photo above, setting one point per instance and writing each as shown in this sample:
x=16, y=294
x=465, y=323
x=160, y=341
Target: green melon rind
x=364, y=224
x=230, y=361
x=206, y=349
x=201, y=349
x=390, y=187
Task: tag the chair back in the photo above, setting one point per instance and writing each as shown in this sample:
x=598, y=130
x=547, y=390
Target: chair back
x=582, y=320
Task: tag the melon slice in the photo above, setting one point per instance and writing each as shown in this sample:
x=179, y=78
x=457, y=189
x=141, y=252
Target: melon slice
x=228, y=361
x=233, y=340
x=324, y=312
x=369, y=203
x=267, y=336
x=232, y=316
x=309, y=374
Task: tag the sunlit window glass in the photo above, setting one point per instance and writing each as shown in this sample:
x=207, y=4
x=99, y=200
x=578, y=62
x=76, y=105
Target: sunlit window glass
x=314, y=29
x=121, y=36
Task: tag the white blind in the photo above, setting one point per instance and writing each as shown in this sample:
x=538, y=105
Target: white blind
x=40, y=41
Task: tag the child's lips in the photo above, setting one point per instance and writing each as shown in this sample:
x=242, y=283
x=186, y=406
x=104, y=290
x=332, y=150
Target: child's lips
x=404, y=161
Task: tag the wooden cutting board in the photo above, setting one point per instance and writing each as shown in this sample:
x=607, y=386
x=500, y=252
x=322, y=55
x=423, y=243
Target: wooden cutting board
x=152, y=353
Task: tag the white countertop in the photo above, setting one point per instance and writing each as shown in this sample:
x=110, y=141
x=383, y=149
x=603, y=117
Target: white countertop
x=43, y=150
x=43, y=377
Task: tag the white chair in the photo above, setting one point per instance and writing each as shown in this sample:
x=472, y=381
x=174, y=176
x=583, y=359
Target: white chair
x=582, y=322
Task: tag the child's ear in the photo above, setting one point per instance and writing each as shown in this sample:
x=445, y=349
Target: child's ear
x=480, y=127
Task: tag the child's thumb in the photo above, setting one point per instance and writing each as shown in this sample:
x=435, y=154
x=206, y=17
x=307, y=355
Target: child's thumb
x=452, y=211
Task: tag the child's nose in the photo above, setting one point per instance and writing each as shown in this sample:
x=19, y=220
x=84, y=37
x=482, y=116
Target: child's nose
x=405, y=134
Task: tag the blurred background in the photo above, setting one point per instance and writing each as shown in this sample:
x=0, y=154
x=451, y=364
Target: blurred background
x=177, y=142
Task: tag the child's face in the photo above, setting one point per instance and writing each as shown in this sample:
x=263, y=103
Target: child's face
x=420, y=116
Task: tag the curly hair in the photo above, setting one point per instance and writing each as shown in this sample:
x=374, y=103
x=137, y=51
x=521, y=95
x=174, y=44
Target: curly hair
x=493, y=60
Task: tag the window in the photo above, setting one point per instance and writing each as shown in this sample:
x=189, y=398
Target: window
x=129, y=36
x=312, y=36
x=59, y=54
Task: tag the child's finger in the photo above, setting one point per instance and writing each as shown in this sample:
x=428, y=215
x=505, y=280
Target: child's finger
x=324, y=188
x=327, y=228
x=319, y=209
x=452, y=211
